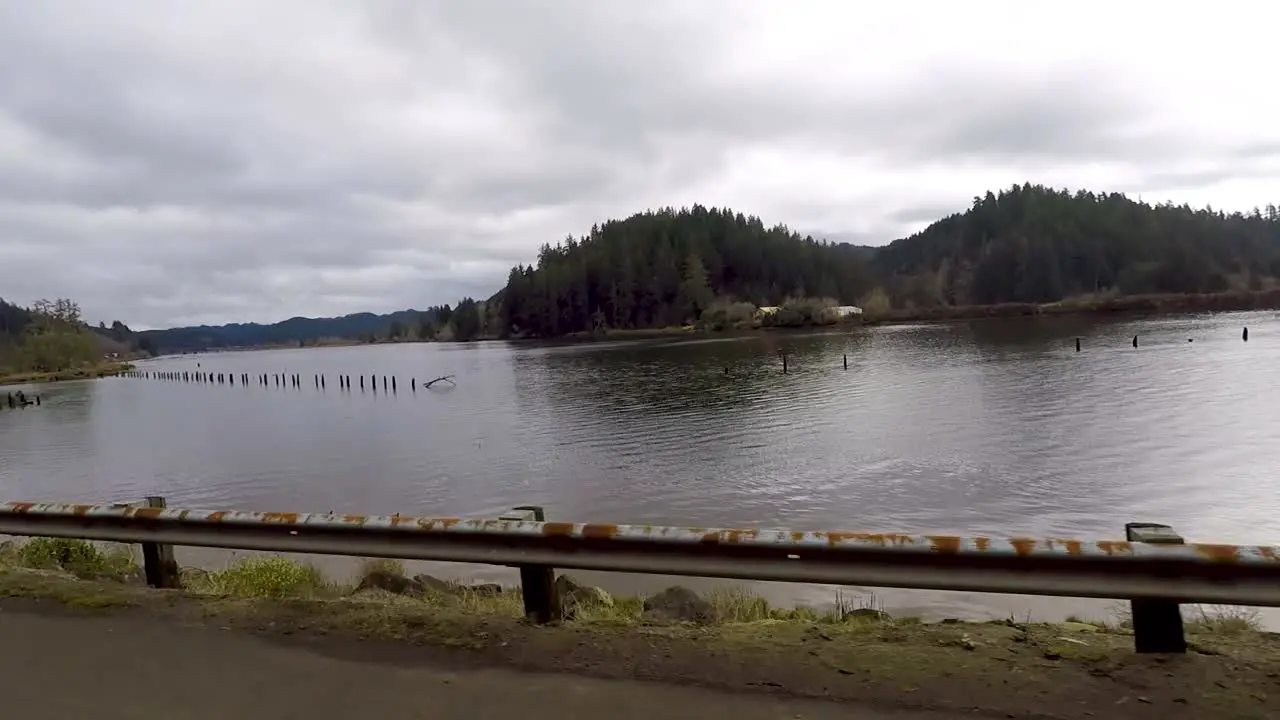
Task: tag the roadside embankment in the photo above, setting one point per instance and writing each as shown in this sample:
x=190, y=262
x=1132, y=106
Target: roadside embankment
x=726, y=639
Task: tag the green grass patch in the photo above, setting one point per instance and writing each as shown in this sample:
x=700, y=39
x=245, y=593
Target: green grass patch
x=262, y=576
x=1224, y=620
x=88, y=372
x=79, y=557
x=734, y=603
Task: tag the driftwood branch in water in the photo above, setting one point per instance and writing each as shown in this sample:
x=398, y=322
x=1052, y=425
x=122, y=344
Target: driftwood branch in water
x=442, y=378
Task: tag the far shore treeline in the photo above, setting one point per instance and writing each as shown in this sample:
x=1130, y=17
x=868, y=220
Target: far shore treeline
x=1024, y=250
x=50, y=341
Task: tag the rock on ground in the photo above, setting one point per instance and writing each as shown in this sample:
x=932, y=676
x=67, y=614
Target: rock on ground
x=678, y=603
x=574, y=595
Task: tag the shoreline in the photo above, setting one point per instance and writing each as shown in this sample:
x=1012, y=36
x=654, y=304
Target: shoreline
x=1151, y=304
x=91, y=372
x=1083, y=669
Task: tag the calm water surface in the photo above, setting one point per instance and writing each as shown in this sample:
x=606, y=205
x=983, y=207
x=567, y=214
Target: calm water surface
x=994, y=427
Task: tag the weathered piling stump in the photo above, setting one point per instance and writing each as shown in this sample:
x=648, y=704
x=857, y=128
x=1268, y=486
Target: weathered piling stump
x=846, y=362
x=1077, y=344
x=158, y=562
x=1245, y=335
x=784, y=364
x=1135, y=341
x=537, y=582
x=1157, y=623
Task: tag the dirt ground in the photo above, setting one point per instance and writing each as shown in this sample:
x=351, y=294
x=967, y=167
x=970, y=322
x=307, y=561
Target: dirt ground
x=1002, y=669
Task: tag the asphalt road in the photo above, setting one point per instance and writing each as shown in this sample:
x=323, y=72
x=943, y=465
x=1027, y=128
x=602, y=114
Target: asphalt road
x=126, y=667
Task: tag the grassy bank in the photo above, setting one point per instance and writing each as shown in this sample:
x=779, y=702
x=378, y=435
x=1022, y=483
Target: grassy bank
x=87, y=372
x=1171, y=304
x=734, y=639
x=1097, y=305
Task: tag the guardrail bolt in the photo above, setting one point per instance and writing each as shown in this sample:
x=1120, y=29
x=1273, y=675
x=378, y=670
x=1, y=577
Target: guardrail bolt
x=537, y=582
x=1157, y=623
x=157, y=559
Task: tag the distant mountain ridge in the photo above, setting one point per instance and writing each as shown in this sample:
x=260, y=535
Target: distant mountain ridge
x=291, y=331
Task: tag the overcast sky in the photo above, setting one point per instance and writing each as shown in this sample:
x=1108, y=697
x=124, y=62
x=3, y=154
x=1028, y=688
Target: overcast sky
x=170, y=163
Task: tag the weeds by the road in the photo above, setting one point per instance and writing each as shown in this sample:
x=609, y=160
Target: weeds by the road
x=261, y=576
x=274, y=577
x=82, y=559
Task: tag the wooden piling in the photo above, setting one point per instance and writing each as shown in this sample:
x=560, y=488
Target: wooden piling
x=413, y=385
x=1077, y=344
x=158, y=562
x=1135, y=341
x=542, y=601
x=1157, y=623
x=393, y=383
x=784, y=364
x=846, y=362
x=384, y=383
x=361, y=382
x=1245, y=335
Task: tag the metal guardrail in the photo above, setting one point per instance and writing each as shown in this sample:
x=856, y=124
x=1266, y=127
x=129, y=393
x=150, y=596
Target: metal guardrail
x=1153, y=567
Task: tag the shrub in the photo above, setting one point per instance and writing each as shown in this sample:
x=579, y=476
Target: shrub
x=78, y=557
x=273, y=577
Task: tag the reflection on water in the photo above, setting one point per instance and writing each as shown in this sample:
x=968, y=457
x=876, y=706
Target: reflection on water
x=992, y=427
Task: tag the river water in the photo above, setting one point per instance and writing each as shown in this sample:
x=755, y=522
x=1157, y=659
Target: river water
x=994, y=427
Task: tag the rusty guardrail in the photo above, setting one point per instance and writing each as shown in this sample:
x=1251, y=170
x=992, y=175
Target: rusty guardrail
x=1153, y=568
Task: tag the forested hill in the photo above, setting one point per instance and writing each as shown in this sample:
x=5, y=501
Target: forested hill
x=1036, y=244
x=50, y=336
x=1026, y=244
x=671, y=267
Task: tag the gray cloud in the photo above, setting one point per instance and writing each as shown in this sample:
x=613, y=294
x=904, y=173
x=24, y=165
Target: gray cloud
x=235, y=161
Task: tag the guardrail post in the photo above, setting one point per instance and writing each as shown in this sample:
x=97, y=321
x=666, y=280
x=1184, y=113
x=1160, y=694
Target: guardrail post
x=158, y=562
x=537, y=582
x=1157, y=624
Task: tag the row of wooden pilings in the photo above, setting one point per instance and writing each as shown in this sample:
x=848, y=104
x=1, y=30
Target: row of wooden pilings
x=295, y=380
x=1244, y=335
